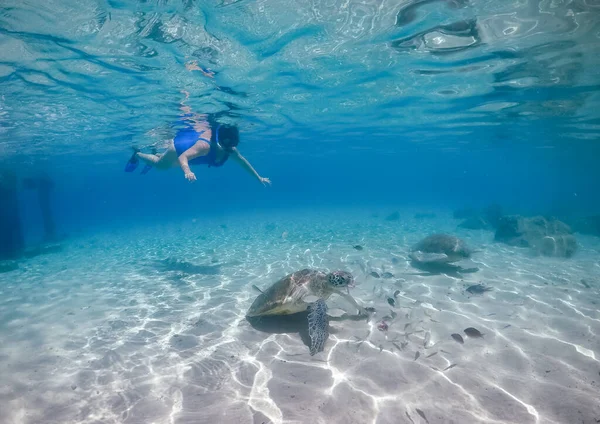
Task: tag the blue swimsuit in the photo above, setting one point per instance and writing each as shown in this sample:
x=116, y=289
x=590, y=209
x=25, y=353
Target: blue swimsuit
x=188, y=136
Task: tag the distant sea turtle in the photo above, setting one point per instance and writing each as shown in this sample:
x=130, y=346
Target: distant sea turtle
x=305, y=290
x=441, y=249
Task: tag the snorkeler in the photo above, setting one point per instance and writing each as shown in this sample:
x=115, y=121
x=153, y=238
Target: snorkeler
x=200, y=142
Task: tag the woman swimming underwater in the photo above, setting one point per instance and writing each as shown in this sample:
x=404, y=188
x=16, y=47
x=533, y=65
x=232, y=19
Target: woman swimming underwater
x=199, y=142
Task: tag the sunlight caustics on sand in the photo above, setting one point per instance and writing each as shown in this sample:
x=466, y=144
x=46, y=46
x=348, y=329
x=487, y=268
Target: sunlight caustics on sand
x=149, y=326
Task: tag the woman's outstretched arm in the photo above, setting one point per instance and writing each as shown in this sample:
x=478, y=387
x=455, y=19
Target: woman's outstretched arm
x=246, y=165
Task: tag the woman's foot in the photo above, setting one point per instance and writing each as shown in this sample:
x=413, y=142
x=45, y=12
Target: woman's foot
x=133, y=161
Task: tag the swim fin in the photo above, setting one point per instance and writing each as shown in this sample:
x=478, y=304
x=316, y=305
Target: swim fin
x=133, y=162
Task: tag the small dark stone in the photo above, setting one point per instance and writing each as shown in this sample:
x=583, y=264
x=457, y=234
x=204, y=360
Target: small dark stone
x=391, y=301
x=374, y=274
x=358, y=247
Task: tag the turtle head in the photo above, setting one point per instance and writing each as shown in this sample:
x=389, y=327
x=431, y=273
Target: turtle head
x=339, y=279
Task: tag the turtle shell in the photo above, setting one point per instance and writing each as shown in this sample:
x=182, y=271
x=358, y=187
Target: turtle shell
x=286, y=296
x=452, y=247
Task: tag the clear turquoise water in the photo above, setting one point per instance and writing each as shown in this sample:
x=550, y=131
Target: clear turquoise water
x=354, y=109
x=339, y=103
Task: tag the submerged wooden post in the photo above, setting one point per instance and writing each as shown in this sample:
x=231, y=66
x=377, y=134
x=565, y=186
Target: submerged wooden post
x=11, y=232
x=44, y=186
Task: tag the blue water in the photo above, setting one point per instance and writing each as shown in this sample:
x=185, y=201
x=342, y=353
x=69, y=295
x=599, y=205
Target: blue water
x=353, y=109
x=358, y=103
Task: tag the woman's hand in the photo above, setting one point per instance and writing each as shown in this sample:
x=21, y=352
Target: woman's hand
x=193, y=66
x=265, y=181
x=190, y=176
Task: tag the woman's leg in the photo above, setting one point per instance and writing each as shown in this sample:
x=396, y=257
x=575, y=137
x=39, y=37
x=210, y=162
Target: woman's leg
x=163, y=161
x=148, y=158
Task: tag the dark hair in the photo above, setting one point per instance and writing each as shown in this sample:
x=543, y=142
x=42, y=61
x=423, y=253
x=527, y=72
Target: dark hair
x=228, y=136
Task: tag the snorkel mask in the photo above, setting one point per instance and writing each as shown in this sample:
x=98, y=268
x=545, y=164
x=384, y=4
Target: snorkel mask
x=228, y=143
x=217, y=136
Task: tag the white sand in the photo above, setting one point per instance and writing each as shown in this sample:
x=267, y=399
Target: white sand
x=102, y=334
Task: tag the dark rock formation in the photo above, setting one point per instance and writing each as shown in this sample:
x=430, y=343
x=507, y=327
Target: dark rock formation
x=561, y=246
x=549, y=237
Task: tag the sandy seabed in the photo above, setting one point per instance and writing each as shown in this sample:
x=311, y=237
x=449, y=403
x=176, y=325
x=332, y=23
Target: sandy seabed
x=147, y=326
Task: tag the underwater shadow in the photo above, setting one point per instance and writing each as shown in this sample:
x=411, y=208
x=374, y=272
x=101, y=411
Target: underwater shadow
x=295, y=324
x=176, y=265
x=283, y=324
x=434, y=268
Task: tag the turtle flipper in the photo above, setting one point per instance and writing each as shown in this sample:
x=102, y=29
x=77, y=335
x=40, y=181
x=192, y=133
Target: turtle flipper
x=349, y=298
x=423, y=257
x=318, y=326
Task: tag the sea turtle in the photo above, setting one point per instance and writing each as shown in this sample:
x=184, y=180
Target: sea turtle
x=305, y=290
x=441, y=249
